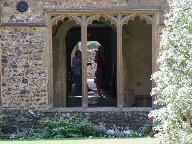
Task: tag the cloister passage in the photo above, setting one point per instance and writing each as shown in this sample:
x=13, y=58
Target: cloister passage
x=136, y=62
x=62, y=57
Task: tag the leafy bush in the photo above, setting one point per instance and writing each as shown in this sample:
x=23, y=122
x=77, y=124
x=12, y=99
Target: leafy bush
x=93, y=46
x=60, y=127
x=173, y=89
x=27, y=133
x=1, y=122
x=149, y=129
x=117, y=131
x=1, y=119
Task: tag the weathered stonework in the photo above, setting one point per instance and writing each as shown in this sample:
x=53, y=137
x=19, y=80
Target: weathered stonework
x=24, y=77
x=26, y=53
x=91, y=68
x=36, y=9
x=132, y=119
x=33, y=57
x=10, y=14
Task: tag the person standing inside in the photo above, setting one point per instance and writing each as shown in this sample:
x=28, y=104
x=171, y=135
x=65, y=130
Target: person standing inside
x=77, y=71
x=100, y=73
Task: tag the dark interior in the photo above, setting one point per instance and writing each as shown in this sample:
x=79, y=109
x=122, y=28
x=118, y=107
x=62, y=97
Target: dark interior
x=106, y=36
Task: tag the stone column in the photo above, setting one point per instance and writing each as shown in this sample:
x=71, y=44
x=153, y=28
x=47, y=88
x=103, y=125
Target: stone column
x=155, y=50
x=84, y=63
x=49, y=62
x=63, y=71
x=119, y=67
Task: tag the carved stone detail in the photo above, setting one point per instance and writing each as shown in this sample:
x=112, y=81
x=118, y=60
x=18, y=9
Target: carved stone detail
x=22, y=6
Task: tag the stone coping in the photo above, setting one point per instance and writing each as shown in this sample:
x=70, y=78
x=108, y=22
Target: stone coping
x=101, y=109
x=80, y=109
x=113, y=8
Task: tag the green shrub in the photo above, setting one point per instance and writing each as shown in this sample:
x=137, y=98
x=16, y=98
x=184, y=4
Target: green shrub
x=1, y=122
x=117, y=131
x=27, y=133
x=149, y=129
x=1, y=119
x=60, y=127
x=173, y=89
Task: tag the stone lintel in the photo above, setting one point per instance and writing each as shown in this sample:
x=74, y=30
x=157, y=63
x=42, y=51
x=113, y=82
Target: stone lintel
x=125, y=8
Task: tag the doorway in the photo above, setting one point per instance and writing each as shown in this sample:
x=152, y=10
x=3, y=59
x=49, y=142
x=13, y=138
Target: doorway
x=128, y=52
x=102, y=31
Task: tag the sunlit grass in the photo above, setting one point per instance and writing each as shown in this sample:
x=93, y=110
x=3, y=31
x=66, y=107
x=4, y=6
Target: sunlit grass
x=85, y=141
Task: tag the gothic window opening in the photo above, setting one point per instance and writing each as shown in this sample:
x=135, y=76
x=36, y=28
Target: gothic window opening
x=137, y=63
x=64, y=39
x=105, y=57
x=128, y=42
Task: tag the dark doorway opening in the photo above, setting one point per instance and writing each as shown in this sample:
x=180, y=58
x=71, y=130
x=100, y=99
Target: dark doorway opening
x=105, y=36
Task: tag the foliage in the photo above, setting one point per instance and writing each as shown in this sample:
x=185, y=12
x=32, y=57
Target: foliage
x=60, y=127
x=149, y=128
x=27, y=133
x=1, y=119
x=117, y=131
x=1, y=122
x=121, y=132
x=73, y=127
x=173, y=89
x=93, y=46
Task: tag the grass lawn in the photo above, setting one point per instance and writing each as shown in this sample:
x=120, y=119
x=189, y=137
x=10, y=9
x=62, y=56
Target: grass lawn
x=85, y=141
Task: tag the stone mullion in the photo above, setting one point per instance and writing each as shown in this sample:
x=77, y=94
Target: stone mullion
x=120, y=99
x=84, y=63
x=154, y=50
x=50, y=70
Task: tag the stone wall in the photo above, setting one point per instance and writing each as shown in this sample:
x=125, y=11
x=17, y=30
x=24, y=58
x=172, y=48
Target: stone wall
x=32, y=15
x=24, y=76
x=133, y=119
x=36, y=11
x=91, y=69
x=137, y=56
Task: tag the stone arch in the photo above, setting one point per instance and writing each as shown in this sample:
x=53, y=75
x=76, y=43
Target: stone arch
x=116, y=19
x=148, y=18
x=137, y=61
x=111, y=19
x=109, y=41
x=59, y=54
x=54, y=20
x=96, y=17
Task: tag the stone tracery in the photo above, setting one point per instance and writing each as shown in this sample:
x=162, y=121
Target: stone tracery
x=115, y=20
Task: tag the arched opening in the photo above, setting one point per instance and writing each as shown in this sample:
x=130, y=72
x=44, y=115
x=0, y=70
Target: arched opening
x=134, y=64
x=73, y=98
x=137, y=63
x=62, y=47
x=104, y=32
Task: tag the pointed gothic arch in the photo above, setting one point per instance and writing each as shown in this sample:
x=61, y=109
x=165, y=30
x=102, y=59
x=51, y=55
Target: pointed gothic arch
x=61, y=24
x=116, y=20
